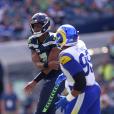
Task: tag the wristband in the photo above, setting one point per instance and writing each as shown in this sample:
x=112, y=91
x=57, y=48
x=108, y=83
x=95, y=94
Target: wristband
x=70, y=97
x=46, y=65
x=39, y=77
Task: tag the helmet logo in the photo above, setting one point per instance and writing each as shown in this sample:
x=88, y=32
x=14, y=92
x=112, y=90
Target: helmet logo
x=61, y=37
x=67, y=35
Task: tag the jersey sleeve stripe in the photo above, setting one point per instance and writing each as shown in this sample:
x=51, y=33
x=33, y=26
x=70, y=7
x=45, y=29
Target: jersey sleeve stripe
x=72, y=65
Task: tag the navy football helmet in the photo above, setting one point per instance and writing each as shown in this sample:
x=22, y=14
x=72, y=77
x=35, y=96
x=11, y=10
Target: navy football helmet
x=66, y=35
x=43, y=20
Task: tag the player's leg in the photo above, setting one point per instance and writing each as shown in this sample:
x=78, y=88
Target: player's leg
x=84, y=101
x=44, y=96
x=52, y=108
x=75, y=106
x=92, y=98
x=95, y=108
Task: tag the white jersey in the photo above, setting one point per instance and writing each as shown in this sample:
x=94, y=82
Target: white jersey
x=81, y=56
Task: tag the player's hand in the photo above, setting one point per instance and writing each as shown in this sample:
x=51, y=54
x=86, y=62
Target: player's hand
x=29, y=87
x=61, y=103
x=60, y=79
x=53, y=65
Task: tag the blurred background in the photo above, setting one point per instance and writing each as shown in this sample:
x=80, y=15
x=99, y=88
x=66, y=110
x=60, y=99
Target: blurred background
x=93, y=18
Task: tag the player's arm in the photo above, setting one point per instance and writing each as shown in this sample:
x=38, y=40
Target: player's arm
x=76, y=72
x=47, y=66
x=51, y=64
x=44, y=67
x=40, y=65
x=37, y=61
x=35, y=56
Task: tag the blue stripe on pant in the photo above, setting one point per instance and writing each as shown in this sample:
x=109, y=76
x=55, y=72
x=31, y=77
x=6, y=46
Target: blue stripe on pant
x=86, y=103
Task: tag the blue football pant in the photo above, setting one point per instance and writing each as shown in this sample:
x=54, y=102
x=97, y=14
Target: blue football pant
x=86, y=103
x=45, y=93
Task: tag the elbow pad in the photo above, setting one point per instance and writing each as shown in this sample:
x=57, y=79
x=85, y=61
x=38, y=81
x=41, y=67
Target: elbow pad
x=80, y=82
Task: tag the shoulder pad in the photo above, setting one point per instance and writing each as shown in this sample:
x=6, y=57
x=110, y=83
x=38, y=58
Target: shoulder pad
x=32, y=42
x=31, y=39
x=64, y=59
x=81, y=44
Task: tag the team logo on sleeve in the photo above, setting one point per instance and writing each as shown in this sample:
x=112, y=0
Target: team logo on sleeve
x=64, y=59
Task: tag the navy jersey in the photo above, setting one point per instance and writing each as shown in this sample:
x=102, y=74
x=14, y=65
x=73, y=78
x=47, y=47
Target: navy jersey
x=43, y=49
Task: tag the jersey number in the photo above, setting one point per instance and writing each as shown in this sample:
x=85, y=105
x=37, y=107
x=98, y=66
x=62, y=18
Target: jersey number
x=85, y=61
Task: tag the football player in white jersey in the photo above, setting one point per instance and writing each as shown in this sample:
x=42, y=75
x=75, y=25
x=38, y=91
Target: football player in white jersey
x=75, y=62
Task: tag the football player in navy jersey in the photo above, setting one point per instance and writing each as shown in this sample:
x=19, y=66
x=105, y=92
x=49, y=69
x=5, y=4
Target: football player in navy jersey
x=41, y=44
x=75, y=62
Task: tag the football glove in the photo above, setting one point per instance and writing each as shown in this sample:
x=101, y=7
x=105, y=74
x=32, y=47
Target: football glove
x=61, y=103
